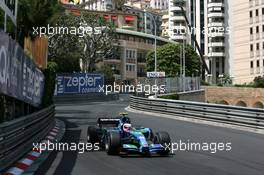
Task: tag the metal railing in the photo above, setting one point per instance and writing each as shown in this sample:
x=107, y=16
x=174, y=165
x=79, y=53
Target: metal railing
x=241, y=116
x=17, y=136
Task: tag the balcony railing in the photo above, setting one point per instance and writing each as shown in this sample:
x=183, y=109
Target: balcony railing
x=251, y=71
x=251, y=20
x=251, y=54
x=257, y=19
x=257, y=36
x=257, y=53
x=251, y=37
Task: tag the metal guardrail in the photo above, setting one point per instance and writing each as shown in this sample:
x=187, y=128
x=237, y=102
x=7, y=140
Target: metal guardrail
x=241, y=116
x=17, y=136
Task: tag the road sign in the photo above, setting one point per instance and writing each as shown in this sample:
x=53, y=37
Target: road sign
x=156, y=74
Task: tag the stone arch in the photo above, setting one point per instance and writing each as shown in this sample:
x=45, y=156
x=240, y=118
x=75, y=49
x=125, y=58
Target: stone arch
x=241, y=103
x=258, y=104
x=223, y=102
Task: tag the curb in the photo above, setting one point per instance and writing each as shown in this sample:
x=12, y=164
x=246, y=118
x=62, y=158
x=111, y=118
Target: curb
x=199, y=121
x=30, y=163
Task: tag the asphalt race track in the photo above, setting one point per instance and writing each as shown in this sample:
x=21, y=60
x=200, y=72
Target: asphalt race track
x=245, y=158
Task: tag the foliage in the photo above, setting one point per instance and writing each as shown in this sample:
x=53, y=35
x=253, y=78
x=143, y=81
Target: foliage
x=226, y=80
x=63, y=47
x=259, y=82
x=108, y=74
x=98, y=42
x=204, y=83
x=170, y=97
x=168, y=60
x=50, y=81
x=34, y=13
x=91, y=44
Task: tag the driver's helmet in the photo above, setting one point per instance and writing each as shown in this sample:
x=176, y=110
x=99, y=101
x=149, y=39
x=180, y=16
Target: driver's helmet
x=127, y=127
x=125, y=120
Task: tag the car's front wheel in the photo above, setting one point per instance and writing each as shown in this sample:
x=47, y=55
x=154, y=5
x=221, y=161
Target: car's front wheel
x=163, y=138
x=113, y=143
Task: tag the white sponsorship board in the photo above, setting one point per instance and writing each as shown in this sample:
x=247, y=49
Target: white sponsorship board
x=156, y=74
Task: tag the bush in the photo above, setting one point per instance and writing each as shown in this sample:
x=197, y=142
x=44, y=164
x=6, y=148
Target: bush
x=259, y=82
x=50, y=81
x=170, y=97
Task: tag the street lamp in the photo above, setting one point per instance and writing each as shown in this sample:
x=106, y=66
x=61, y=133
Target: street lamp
x=155, y=47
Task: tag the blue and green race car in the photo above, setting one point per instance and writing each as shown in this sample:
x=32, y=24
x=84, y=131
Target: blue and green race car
x=117, y=137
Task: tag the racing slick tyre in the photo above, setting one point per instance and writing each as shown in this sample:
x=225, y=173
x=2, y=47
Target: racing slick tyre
x=92, y=136
x=163, y=138
x=113, y=143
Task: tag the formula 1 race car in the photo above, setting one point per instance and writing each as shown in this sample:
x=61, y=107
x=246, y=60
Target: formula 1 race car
x=117, y=136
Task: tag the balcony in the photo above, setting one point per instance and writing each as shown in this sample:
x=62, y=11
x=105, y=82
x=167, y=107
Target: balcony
x=216, y=34
x=215, y=14
x=217, y=54
x=176, y=8
x=251, y=37
x=251, y=21
x=178, y=37
x=215, y=4
x=217, y=44
x=216, y=24
x=257, y=36
x=257, y=19
x=257, y=2
x=257, y=53
x=251, y=54
x=177, y=18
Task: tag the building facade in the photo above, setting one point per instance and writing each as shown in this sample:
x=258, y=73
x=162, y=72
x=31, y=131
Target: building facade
x=130, y=62
x=247, y=40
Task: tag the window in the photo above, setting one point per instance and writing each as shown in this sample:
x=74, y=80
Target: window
x=257, y=29
x=251, y=31
x=257, y=63
x=251, y=64
x=257, y=12
x=251, y=47
x=257, y=48
x=250, y=14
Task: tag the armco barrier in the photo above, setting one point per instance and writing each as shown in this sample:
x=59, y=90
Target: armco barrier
x=242, y=116
x=17, y=136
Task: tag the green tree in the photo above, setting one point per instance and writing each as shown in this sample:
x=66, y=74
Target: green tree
x=108, y=74
x=259, y=82
x=33, y=14
x=65, y=48
x=50, y=80
x=168, y=60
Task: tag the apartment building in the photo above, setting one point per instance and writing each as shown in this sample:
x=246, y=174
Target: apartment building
x=247, y=40
x=238, y=49
x=217, y=38
x=130, y=62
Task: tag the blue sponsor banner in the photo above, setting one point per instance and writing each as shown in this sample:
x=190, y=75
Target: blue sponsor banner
x=79, y=83
x=19, y=76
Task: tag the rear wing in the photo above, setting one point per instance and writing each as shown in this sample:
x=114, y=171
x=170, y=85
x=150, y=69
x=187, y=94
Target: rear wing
x=108, y=122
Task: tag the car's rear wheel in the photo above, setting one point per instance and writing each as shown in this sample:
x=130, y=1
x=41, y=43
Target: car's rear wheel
x=113, y=143
x=92, y=136
x=163, y=138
